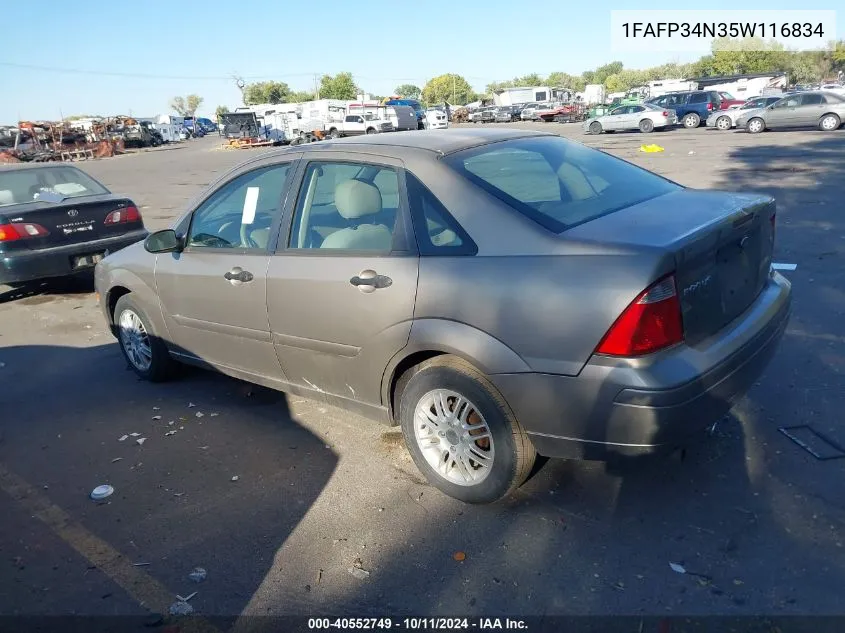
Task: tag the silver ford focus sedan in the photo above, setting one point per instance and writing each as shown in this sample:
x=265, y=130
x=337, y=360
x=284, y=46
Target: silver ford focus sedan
x=497, y=293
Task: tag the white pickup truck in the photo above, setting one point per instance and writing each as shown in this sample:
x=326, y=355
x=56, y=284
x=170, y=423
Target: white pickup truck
x=355, y=124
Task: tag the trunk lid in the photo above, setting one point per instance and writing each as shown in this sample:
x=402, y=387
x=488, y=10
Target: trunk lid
x=72, y=221
x=722, y=245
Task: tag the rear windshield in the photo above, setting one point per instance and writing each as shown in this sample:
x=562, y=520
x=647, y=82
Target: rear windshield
x=558, y=183
x=19, y=186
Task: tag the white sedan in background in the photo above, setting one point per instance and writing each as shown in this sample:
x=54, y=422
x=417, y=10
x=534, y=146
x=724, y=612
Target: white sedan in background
x=644, y=117
x=726, y=119
x=436, y=120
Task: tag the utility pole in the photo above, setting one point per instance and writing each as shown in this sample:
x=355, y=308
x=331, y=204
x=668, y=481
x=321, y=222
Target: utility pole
x=316, y=87
x=454, y=79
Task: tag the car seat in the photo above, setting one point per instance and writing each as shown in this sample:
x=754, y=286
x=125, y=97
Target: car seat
x=358, y=201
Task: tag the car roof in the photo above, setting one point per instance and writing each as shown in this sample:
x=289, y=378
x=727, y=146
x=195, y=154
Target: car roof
x=399, y=144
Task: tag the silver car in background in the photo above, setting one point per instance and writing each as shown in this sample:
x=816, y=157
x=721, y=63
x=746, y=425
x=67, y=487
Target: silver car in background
x=644, y=117
x=818, y=108
x=529, y=111
x=726, y=119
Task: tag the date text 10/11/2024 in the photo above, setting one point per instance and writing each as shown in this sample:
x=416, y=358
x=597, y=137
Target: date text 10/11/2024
x=760, y=30
x=417, y=624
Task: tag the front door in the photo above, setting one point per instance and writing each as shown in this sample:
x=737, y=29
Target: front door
x=784, y=113
x=342, y=284
x=613, y=121
x=214, y=293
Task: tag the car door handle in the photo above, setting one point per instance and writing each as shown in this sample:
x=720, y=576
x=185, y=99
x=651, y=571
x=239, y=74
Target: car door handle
x=238, y=276
x=369, y=280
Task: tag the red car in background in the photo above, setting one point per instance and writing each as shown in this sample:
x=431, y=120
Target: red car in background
x=729, y=101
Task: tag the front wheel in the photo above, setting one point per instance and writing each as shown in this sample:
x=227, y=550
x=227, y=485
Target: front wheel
x=371, y=130
x=724, y=123
x=595, y=127
x=755, y=125
x=646, y=126
x=146, y=354
x=461, y=433
x=692, y=120
x=829, y=123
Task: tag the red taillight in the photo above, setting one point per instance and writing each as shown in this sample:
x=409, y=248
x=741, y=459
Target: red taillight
x=650, y=323
x=21, y=231
x=123, y=216
x=709, y=107
x=665, y=113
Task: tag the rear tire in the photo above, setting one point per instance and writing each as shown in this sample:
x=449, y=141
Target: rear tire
x=829, y=123
x=439, y=432
x=646, y=126
x=333, y=133
x=692, y=121
x=755, y=125
x=595, y=127
x=145, y=352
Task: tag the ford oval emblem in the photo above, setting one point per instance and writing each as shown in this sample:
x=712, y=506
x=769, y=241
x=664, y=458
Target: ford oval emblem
x=73, y=213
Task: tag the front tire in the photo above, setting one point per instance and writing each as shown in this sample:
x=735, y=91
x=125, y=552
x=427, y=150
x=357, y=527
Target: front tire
x=692, y=121
x=756, y=125
x=829, y=123
x=595, y=127
x=145, y=352
x=461, y=433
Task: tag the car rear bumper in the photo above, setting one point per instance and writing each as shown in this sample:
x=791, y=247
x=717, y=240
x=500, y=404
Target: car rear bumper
x=636, y=407
x=57, y=261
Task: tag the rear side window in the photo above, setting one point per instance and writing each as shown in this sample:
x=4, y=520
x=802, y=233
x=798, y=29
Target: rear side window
x=555, y=182
x=698, y=97
x=812, y=99
x=438, y=233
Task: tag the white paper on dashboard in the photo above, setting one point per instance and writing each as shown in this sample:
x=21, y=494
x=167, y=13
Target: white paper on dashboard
x=250, y=205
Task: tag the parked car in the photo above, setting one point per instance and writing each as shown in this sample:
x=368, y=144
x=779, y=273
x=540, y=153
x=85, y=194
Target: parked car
x=691, y=107
x=821, y=109
x=56, y=220
x=436, y=119
x=401, y=310
x=416, y=105
x=645, y=118
x=726, y=120
x=486, y=114
x=528, y=112
x=503, y=114
x=729, y=101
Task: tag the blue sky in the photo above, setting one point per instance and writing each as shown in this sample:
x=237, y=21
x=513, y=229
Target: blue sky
x=159, y=49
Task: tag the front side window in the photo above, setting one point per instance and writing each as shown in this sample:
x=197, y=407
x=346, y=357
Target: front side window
x=558, y=183
x=346, y=206
x=789, y=102
x=242, y=212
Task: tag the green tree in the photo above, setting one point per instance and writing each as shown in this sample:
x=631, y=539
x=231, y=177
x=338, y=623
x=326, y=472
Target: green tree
x=220, y=111
x=266, y=92
x=565, y=80
x=300, y=96
x=449, y=87
x=603, y=72
x=339, y=86
x=409, y=91
x=186, y=106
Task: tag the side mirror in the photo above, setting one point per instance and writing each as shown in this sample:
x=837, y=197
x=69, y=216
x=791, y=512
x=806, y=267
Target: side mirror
x=165, y=241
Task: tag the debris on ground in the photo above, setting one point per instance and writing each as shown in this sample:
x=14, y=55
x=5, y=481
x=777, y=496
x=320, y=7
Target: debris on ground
x=357, y=572
x=200, y=414
x=191, y=405
x=123, y=438
x=171, y=423
x=459, y=556
x=140, y=564
x=156, y=417
x=678, y=568
x=235, y=477
x=213, y=415
x=776, y=266
x=116, y=459
x=140, y=441
x=169, y=433
x=134, y=434
x=186, y=598
x=198, y=574
x=651, y=149
x=181, y=608
x=101, y=492
x=156, y=408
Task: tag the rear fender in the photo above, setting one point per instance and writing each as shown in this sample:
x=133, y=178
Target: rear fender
x=487, y=353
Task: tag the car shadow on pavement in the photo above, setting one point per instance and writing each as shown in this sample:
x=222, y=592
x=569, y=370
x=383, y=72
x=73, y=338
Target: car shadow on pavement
x=44, y=290
x=207, y=471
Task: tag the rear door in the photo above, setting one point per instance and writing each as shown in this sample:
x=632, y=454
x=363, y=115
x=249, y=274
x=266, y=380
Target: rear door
x=214, y=293
x=341, y=286
x=812, y=107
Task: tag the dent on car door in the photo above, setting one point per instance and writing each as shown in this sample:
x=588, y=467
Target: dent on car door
x=342, y=285
x=213, y=293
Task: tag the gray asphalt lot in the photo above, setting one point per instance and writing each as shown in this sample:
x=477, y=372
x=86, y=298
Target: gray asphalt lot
x=320, y=491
